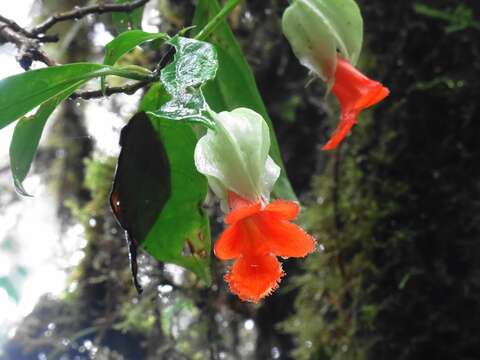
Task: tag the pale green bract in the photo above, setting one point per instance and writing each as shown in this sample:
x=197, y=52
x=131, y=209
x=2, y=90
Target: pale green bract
x=316, y=29
x=234, y=156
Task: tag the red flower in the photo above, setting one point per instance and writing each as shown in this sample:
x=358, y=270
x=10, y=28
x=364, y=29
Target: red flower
x=256, y=235
x=354, y=92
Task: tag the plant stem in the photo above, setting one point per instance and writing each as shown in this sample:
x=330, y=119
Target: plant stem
x=212, y=24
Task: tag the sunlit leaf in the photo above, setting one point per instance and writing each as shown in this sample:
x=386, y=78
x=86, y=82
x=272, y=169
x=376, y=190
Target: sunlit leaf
x=234, y=85
x=194, y=64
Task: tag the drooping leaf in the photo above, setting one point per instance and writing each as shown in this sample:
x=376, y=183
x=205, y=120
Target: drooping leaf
x=125, y=21
x=21, y=93
x=317, y=28
x=158, y=192
x=194, y=64
x=234, y=85
x=127, y=41
x=26, y=137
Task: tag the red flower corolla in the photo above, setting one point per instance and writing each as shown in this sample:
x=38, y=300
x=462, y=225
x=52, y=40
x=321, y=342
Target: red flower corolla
x=256, y=235
x=354, y=92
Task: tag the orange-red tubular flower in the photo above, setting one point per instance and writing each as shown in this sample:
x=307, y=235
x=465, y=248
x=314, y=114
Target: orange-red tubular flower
x=256, y=235
x=354, y=92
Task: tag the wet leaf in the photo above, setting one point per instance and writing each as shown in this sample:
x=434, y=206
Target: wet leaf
x=194, y=64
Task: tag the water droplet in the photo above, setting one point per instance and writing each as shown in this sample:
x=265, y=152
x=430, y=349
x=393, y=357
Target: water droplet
x=249, y=324
x=275, y=353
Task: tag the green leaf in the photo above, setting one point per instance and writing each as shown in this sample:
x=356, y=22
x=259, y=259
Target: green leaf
x=183, y=226
x=234, y=85
x=22, y=93
x=194, y=64
x=175, y=229
x=26, y=137
x=182, y=223
x=317, y=28
x=125, y=21
x=127, y=41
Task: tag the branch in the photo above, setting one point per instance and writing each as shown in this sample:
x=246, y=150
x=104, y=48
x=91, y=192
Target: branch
x=29, y=50
x=28, y=34
x=127, y=89
x=84, y=11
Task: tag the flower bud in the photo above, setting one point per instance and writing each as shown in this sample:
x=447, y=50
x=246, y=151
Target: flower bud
x=234, y=156
x=316, y=29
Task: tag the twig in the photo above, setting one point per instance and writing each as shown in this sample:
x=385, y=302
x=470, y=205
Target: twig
x=127, y=89
x=84, y=11
x=28, y=34
x=29, y=50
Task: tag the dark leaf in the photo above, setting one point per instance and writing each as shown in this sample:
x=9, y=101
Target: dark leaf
x=142, y=182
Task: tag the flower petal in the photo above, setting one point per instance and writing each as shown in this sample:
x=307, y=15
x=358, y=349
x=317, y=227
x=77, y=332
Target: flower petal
x=254, y=277
x=287, y=210
x=283, y=238
x=229, y=244
x=355, y=92
x=242, y=212
x=347, y=120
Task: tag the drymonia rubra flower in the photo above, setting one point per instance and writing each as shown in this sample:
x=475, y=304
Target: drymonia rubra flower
x=326, y=36
x=355, y=92
x=255, y=236
x=234, y=157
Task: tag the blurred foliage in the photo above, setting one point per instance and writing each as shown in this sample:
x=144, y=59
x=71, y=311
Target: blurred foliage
x=460, y=18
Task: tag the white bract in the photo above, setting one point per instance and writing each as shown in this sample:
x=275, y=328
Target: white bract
x=234, y=156
x=316, y=29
